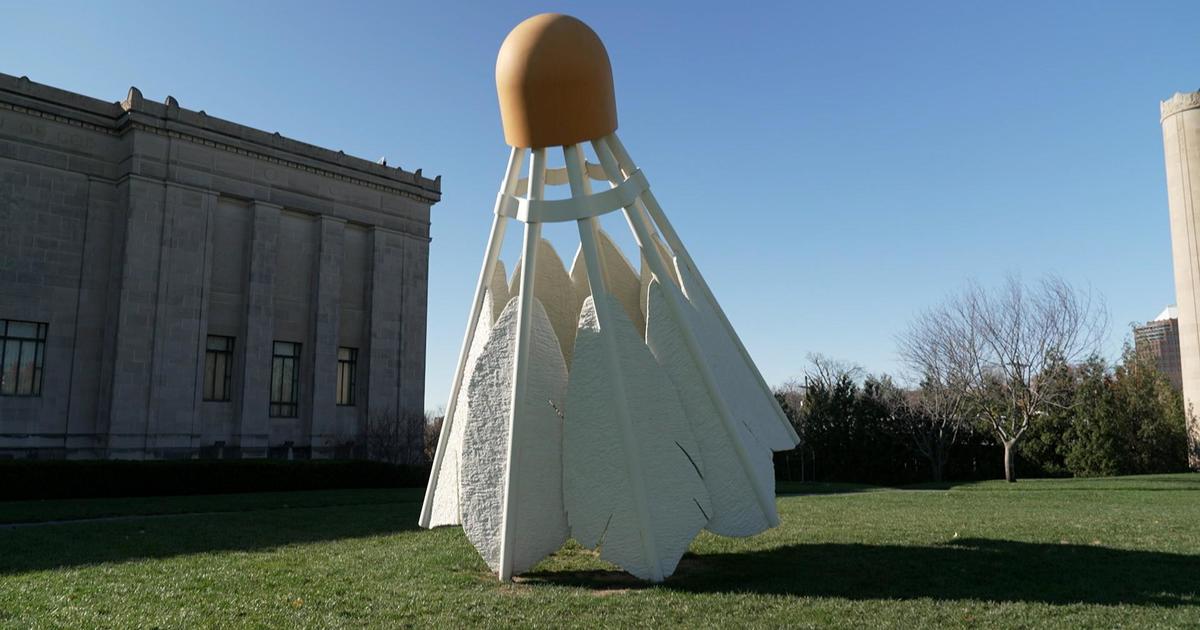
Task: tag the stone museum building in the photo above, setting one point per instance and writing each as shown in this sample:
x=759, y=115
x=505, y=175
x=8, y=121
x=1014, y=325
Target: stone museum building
x=175, y=285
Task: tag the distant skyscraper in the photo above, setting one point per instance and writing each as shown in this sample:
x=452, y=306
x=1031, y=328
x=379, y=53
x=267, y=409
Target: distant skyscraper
x=1160, y=339
x=1181, y=148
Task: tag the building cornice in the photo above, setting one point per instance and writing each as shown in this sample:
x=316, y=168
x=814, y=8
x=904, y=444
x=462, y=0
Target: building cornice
x=170, y=120
x=1182, y=101
x=51, y=116
x=414, y=191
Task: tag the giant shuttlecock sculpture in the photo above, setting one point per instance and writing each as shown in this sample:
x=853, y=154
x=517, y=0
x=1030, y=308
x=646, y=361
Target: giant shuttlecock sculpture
x=616, y=408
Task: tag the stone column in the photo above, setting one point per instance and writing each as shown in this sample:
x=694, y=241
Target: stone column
x=1181, y=145
x=208, y=212
x=383, y=346
x=85, y=434
x=396, y=346
x=413, y=315
x=177, y=325
x=135, y=312
x=258, y=330
x=323, y=339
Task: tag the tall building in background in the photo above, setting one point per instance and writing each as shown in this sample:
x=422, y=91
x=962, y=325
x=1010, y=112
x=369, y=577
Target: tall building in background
x=1160, y=339
x=1181, y=146
x=177, y=285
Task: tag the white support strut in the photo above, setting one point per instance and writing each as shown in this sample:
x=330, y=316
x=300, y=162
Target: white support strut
x=676, y=244
x=588, y=238
x=495, y=240
x=533, y=235
x=765, y=497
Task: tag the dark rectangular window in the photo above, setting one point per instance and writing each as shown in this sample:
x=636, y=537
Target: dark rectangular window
x=218, y=367
x=346, y=368
x=285, y=379
x=22, y=356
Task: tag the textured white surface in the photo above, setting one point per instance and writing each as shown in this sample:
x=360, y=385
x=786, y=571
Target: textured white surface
x=445, y=496
x=736, y=510
x=619, y=279
x=736, y=378
x=579, y=277
x=498, y=287
x=645, y=276
x=536, y=469
x=600, y=464
x=554, y=289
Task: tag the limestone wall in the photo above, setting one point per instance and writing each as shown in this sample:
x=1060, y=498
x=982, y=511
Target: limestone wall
x=135, y=229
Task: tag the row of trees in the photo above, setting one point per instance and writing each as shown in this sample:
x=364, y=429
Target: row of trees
x=1123, y=419
x=1010, y=375
x=991, y=378
x=860, y=427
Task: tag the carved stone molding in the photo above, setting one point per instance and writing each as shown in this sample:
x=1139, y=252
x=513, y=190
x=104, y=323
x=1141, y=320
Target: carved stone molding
x=424, y=198
x=1180, y=102
x=20, y=95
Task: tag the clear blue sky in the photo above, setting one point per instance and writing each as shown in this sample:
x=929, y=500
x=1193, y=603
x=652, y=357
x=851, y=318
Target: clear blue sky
x=834, y=168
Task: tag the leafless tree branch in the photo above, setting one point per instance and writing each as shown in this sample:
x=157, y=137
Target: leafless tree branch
x=987, y=352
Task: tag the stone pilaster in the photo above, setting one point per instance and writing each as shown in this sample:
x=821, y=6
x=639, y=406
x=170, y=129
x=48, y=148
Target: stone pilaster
x=413, y=315
x=177, y=329
x=208, y=215
x=85, y=435
x=326, y=310
x=257, y=330
x=383, y=353
x=133, y=349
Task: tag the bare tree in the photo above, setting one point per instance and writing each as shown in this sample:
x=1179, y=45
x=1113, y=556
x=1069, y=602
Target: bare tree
x=998, y=348
x=827, y=371
x=835, y=384
x=396, y=438
x=791, y=394
x=936, y=407
x=433, y=431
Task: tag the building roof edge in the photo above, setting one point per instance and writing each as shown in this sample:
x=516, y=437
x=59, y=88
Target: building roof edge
x=116, y=114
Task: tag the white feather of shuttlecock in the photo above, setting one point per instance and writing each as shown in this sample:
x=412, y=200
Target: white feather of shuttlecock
x=446, y=496
x=734, y=378
x=634, y=481
x=536, y=474
x=620, y=280
x=645, y=276
x=732, y=488
x=554, y=289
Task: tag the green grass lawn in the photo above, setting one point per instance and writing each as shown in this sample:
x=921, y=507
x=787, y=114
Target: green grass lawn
x=1054, y=553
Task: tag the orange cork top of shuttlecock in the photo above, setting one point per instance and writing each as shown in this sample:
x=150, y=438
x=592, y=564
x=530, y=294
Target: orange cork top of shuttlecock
x=555, y=83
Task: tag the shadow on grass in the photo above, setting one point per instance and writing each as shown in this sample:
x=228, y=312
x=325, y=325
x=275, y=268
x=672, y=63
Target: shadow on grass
x=969, y=569
x=83, y=543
